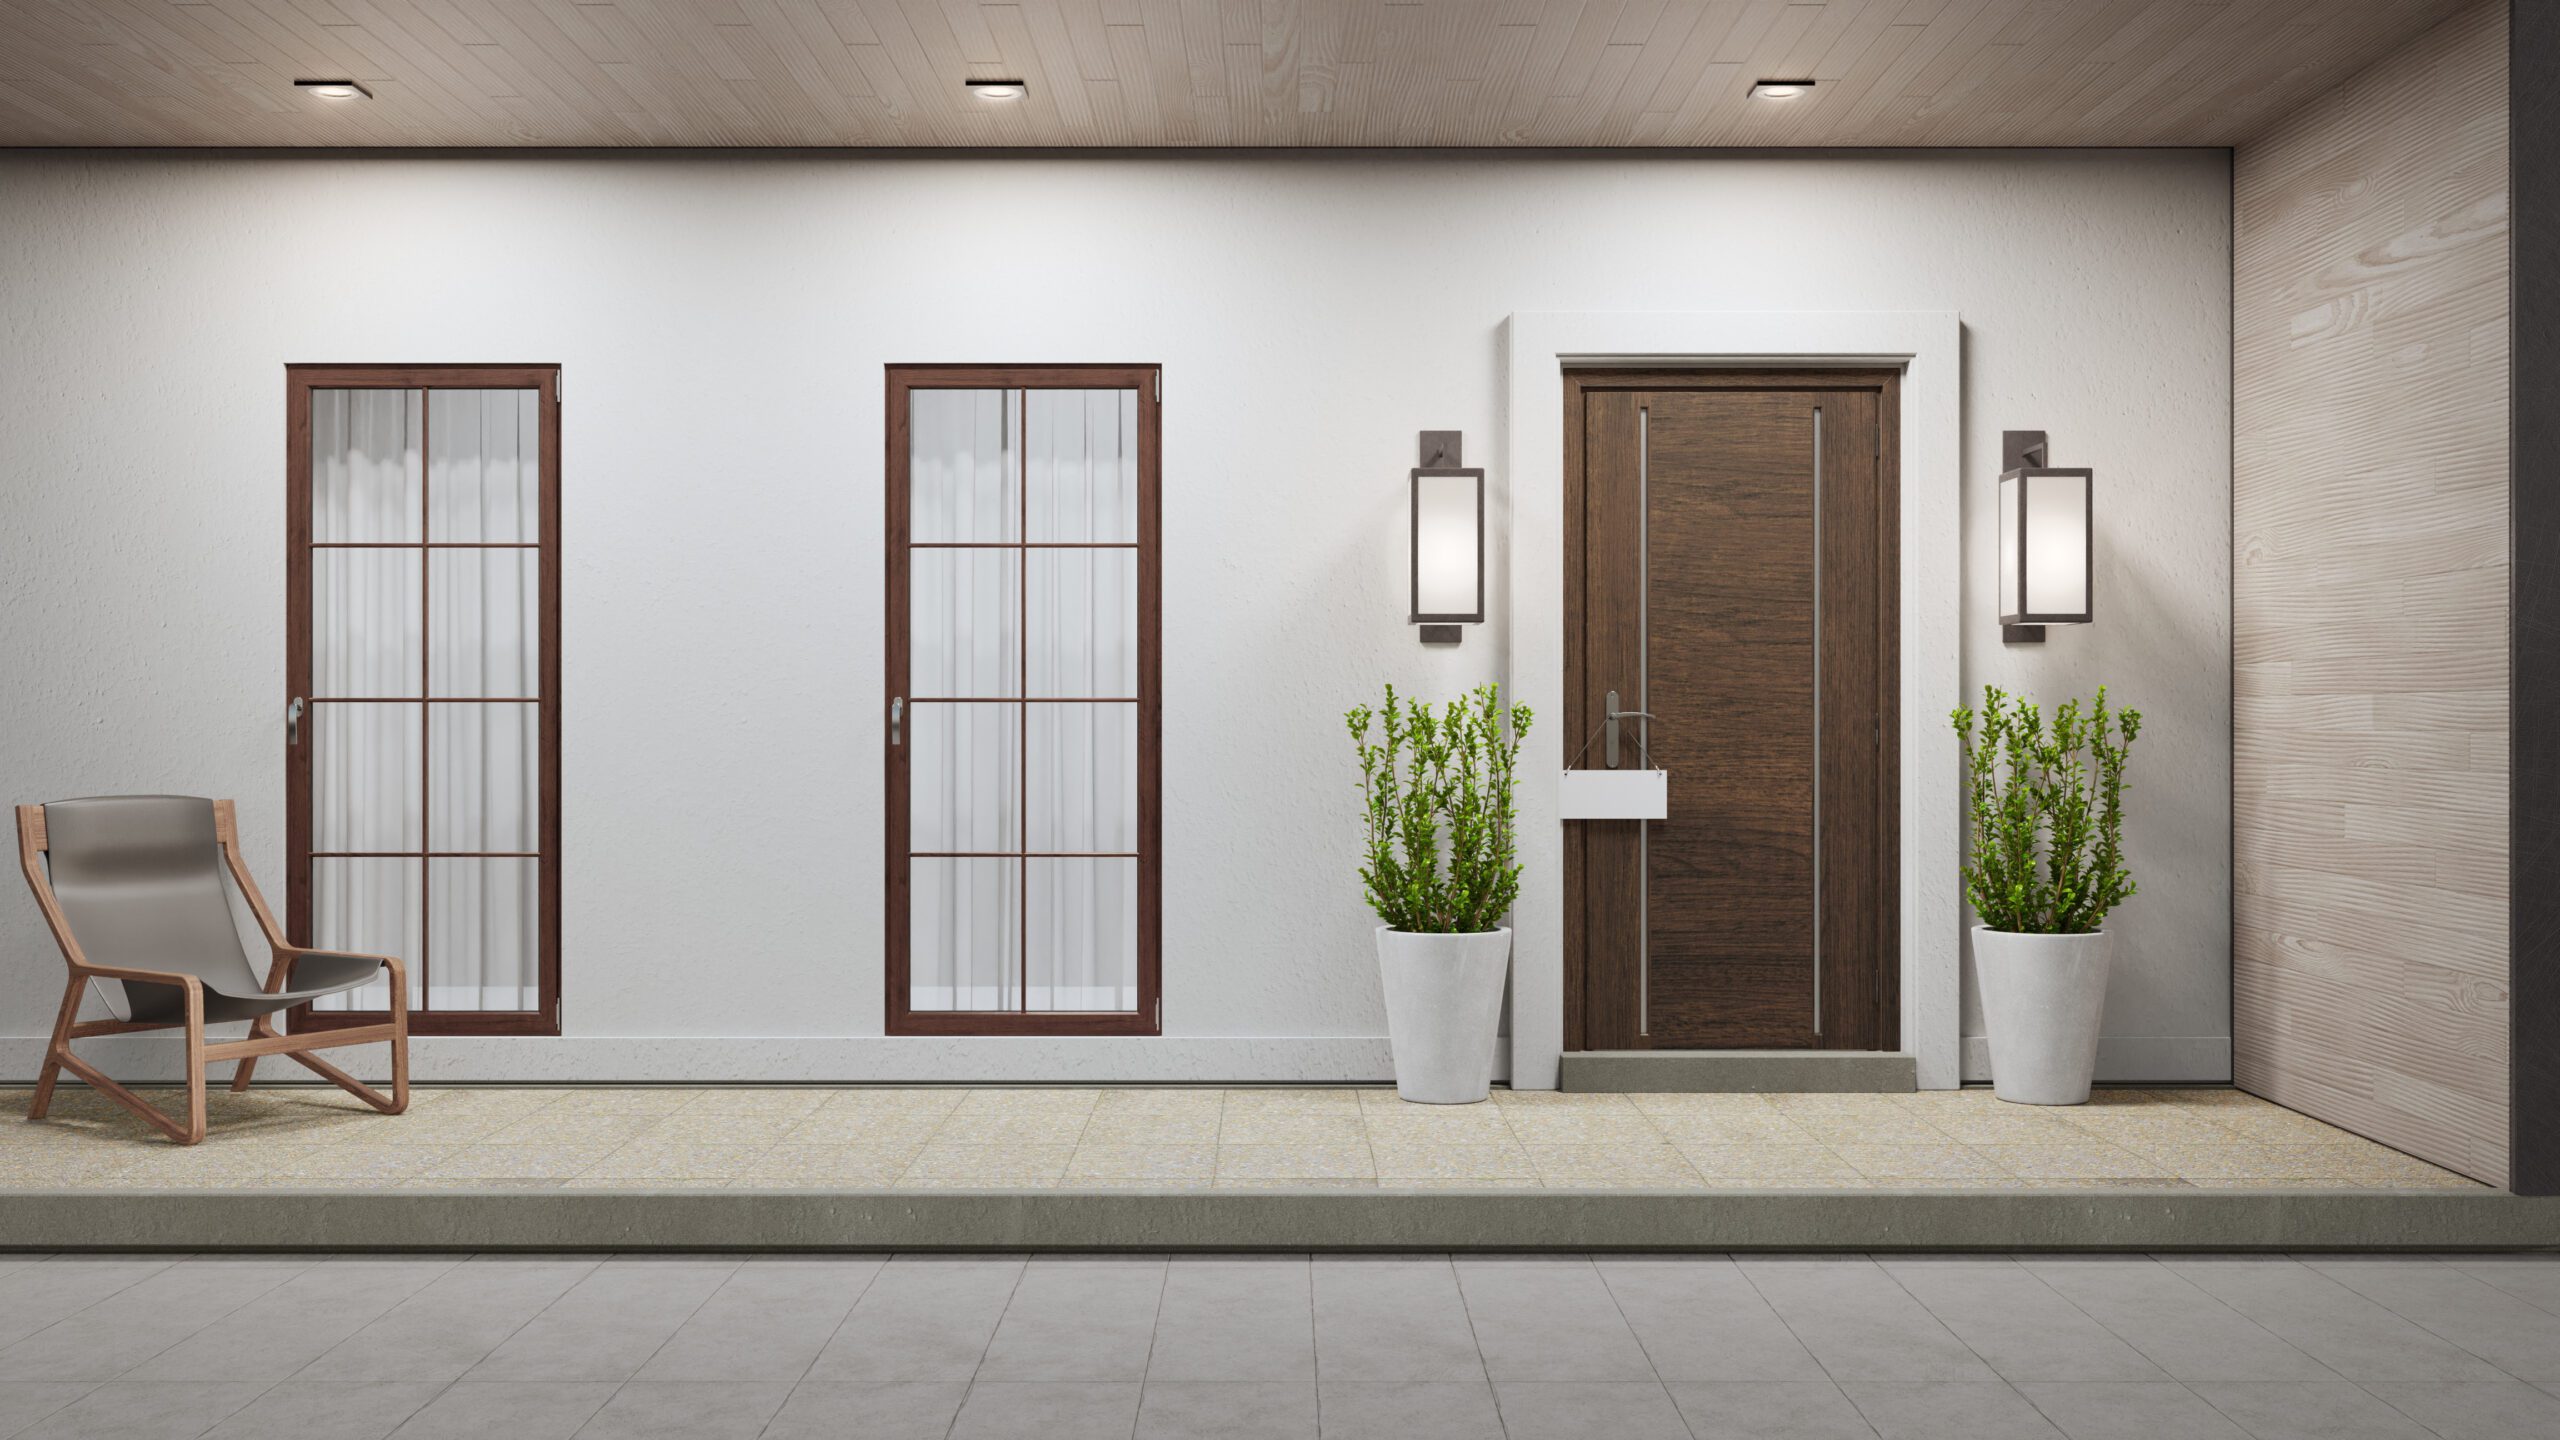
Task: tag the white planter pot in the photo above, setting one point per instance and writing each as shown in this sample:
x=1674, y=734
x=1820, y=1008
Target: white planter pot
x=2041, y=1000
x=1444, y=1004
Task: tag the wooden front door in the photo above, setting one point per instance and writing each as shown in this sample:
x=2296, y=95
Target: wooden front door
x=1730, y=572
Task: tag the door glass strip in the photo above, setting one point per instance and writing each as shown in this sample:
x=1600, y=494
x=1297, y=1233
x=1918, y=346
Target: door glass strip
x=1817, y=721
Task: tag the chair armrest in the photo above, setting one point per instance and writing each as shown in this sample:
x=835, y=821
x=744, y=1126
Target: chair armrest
x=282, y=969
x=296, y=952
x=147, y=977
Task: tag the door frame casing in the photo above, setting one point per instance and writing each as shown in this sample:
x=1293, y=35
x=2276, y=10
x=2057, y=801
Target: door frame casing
x=1537, y=347
x=1148, y=1019
x=1581, y=381
x=300, y=381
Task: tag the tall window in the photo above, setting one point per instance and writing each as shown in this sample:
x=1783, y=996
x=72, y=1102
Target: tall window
x=423, y=660
x=1024, y=721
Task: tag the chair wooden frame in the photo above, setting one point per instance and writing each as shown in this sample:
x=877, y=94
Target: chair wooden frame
x=263, y=1038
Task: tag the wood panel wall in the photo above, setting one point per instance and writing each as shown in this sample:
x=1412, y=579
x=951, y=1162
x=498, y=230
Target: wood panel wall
x=2370, y=602
x=2533, y=909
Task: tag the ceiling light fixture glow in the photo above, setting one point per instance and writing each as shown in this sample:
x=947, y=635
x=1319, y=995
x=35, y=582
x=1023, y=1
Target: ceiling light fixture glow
x=1781, y=89
x=334, y=89
x=997, y=89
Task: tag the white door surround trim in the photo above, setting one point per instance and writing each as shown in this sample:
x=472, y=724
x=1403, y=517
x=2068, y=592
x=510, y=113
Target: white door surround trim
x=1527, y=512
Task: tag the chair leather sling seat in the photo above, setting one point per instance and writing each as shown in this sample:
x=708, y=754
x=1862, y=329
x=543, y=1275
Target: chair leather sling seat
x=140, y=879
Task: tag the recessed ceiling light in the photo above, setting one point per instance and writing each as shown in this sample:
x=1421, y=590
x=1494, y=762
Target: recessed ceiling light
x=997, y=89
x=1781, y=89
x=334, y=89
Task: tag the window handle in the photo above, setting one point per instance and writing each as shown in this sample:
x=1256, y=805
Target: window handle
x=897, y=713
x=293, y=721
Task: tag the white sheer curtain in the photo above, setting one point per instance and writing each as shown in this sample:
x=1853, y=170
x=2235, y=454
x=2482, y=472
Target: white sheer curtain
x=483, y=758
x=367, y=478
x=965, y=644
x=390, y=774
x=1023, y=767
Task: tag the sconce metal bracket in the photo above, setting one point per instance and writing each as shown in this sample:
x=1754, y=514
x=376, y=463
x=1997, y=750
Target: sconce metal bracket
x=1440, y=449
x=2021, y=634
x=1442, y=634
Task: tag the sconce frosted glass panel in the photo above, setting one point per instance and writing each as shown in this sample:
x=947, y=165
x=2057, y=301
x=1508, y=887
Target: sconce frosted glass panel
x=1448, y=546
x=964, y=469
x=2057, y=520
x=1082, y=450
x=2013, y=504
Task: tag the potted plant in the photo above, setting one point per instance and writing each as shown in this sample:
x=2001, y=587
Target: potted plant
x=1441, y=870
x=2046, y=865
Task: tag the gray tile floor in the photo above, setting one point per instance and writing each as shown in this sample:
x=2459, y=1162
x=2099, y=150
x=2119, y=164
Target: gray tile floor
x=1064, y=1347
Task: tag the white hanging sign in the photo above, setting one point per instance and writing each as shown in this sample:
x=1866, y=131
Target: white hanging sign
x=1615, y=795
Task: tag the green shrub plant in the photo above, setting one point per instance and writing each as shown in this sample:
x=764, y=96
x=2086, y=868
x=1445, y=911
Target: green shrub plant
x=2046, y=810
x=1437, y=796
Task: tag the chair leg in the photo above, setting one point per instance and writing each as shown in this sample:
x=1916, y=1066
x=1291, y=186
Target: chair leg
x=399, y=1040
x=144, y=1110
x=195, y=1066
x=398, y=1100
x=55, y=1049
x=189, y=1131
x=387, y=1104
x=243, y=1070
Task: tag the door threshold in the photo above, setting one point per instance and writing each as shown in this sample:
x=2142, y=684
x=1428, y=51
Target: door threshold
x=1740, y=1071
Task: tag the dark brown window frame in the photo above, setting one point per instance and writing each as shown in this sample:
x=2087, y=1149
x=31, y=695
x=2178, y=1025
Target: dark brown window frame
x=1147, y=1019
x=300, y=381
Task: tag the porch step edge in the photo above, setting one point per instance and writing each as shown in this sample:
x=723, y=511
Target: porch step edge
x=690, y=1221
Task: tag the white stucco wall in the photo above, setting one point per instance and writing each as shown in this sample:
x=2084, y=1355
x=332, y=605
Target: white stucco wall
x=722, y=323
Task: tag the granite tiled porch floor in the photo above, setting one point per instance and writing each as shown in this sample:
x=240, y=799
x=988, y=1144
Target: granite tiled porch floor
x=1279, y=1347
x=1152, y=1138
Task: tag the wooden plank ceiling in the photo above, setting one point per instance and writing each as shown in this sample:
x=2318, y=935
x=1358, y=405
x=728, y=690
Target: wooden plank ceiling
x=1178, y=72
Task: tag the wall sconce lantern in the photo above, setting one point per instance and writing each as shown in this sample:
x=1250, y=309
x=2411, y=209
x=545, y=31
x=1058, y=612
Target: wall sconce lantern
x=2044, y=541
x=1448, y=541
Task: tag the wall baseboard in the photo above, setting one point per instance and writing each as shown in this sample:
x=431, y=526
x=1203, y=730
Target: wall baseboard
x=797, y=1060
x=814, y=1060
x=2135, y=1059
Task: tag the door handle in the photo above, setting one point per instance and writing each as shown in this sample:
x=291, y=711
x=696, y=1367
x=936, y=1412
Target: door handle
x=1610, y=718
x=897, y=716
x=293, y=721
